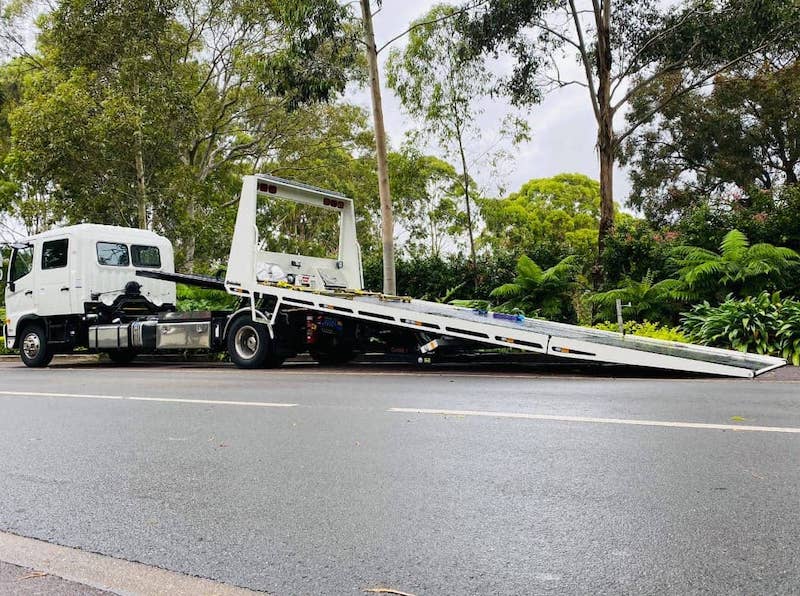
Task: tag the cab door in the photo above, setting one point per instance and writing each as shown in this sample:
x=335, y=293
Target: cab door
x=53, y=287
x=19, y=295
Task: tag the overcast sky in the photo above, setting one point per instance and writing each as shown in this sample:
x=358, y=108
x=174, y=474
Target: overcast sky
x=563, y=127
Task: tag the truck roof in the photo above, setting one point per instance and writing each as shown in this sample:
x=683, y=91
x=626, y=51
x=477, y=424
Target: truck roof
x=98, y=230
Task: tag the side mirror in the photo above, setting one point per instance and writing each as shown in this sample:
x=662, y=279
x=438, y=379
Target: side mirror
x=12, y=287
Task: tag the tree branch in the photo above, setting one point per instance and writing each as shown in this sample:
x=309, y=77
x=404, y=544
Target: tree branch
x=585, y=59
x=467, y=8
x=694, y=85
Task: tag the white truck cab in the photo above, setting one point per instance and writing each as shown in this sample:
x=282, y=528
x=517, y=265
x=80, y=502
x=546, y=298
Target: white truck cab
x=54, y=275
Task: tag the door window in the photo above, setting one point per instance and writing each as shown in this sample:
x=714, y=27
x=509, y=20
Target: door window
x=112, y=253
x=145, y=256
x=54, y=254
x=21, y=263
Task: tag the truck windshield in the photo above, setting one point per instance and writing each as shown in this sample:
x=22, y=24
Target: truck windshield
x=21, y=263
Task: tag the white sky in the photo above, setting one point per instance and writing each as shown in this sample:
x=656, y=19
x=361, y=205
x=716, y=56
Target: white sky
x=563, y=126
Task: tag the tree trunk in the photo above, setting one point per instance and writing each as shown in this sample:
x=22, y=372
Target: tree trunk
x=387, y=221
x=465, y=174
x=191, y=244
x=141, y=183
x=606, y=149
x=606, y=140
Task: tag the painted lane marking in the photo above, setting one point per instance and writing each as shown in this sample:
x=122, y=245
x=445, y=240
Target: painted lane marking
x=257, y=404
x=550, y=417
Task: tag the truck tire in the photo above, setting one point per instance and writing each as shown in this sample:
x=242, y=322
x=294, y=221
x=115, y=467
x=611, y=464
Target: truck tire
x=250, y=346
x=33, y=348
x=121, y=356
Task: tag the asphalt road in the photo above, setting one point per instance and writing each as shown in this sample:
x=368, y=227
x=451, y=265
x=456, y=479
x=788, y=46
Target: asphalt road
x=592, y=486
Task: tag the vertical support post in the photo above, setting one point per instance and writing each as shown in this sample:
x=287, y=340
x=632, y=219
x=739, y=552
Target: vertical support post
x=620, y=322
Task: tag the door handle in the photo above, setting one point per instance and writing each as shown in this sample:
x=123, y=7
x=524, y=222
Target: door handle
x=65, y=289
x=29, y=293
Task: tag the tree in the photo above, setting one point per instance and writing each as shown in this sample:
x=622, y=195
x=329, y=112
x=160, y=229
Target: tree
x=538, y=292
x=738, y=266
x=743, y=133
x=438, y=85
x=426, y=191
x=624, y=49
x=169, y=103
x=547, y=217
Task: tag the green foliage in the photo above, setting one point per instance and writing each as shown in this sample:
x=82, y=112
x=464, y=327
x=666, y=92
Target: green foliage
x=789, y=332
x=738, y=266
x=426, y=193
x=148, y=113
x=762, y=215
x=537, y=292
x=548, y=216
x=646, y=329
x=432, y=278
x=191, y=298
x=3, y=349
x=764, y=324
x=738, y=133
x=635, y=249
x=442, y=88
x=433, y=79
x=648, y=299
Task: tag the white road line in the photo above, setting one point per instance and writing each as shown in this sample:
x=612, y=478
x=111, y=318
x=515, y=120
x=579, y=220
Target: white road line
x=256, y=404
x=262, y=404
x=701, y=425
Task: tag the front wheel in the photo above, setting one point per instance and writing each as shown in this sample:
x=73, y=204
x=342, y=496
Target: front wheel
x=33, y=349
x=250, y=346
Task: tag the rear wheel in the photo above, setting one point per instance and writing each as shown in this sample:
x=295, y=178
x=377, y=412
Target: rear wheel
x=33, y=349
x=250, y=346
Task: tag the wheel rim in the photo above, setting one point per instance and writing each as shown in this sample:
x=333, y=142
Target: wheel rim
x=246, y=342
x=31, y=345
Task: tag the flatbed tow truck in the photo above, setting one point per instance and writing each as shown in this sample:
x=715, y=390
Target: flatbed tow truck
x=112, y=290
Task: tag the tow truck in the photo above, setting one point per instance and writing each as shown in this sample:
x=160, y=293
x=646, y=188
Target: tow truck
x=112, y=290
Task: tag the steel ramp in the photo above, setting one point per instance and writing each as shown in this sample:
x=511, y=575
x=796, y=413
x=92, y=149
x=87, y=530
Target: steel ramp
x=533, y=335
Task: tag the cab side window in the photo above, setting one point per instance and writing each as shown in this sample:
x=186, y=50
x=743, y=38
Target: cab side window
x=54, y=254
x=145, y=256
x=113, y=254
x=21, y=263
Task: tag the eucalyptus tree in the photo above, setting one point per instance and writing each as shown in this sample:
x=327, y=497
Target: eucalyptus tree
x=624, y=48
x=441, y=87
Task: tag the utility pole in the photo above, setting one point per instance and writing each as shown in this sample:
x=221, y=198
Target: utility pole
x=387, y=218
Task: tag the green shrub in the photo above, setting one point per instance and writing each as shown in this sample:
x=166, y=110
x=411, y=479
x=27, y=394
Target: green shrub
x=764, y=324
x=789, y=331
x=634, y=250
x=435, y=278
x=3, y=349
x=193, y=298
x=646, y=329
